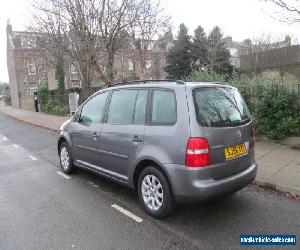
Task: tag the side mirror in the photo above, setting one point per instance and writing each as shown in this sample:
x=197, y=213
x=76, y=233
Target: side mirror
x=85, y=120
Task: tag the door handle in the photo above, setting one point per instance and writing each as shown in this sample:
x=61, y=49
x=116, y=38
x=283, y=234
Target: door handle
x=136, y=138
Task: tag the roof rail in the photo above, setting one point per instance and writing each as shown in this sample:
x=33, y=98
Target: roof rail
x=145, y=81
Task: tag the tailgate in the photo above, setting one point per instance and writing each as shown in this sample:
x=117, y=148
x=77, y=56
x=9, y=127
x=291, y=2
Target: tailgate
x=231, y=151
x=224, y=120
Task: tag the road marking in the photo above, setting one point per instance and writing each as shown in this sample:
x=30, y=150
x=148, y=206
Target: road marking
x=63, y=175
x=93, y=184
x=32, y=158
x=127, y=213
x=16, y=146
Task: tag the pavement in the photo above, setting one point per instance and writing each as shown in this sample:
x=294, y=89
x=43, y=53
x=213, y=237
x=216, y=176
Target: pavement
x=278, y=164
x=42, y=209
x=38, y=119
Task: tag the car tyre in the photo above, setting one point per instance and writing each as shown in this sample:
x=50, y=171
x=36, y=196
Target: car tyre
x=155, y=194
x=65, y=158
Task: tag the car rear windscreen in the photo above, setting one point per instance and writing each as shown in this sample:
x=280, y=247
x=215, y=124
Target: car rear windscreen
x=220, y=107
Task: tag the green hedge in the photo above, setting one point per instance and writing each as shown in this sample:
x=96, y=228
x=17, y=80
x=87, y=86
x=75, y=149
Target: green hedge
x=54, y=107
x=43, y=94
x=50, y=104
x=277, y=112
x=273, y=103
x=7, y=99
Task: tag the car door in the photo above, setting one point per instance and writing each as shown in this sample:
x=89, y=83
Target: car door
x=86, y=131
x=122, y=135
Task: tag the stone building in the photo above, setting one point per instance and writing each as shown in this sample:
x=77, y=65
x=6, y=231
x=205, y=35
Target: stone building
x=247, y=48
x=28, y=66
x=274, y=63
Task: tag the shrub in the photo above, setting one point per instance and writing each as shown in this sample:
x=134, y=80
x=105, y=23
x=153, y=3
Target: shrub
x=277, y=113
x=272, y=103
x=43, y=94
x=56, y=108
x=204, y=76
x=60, y=76
x=7, y=99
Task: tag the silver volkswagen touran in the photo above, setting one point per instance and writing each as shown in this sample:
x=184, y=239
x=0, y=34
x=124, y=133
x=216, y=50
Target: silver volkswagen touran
x=172, y=141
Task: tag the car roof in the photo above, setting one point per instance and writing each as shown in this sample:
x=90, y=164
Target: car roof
x=164, y=84
x=167, y=83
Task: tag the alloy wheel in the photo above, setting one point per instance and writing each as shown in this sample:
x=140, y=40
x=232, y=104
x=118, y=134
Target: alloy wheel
x=152, y=192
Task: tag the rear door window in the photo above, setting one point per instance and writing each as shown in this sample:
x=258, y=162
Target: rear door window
x=128, y=106
x=122, y=105
x=220, y=107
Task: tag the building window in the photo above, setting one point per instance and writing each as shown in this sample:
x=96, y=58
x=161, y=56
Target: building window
x=75, y=83
x=73, y=70
x=169, y=46
x=31, y=69
x=74, y=76
x=150, y=46
x=148, y=64
x=233, y=51
x=32, y=88
x=28, y=42
x=116, y=74
x=130, y=65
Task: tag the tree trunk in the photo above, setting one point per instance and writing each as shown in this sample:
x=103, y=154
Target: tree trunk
x=86, y=78
x=110, y=67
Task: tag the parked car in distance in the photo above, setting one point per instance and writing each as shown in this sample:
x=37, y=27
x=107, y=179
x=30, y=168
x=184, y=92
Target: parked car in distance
x=172, y=141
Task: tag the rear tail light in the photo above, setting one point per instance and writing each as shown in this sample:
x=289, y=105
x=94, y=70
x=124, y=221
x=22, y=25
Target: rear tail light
x=197, y=152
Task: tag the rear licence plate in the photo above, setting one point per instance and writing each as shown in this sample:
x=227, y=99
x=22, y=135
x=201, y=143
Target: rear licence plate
x=235, y=151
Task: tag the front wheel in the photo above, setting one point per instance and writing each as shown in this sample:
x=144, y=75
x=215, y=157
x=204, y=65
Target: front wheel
x=155, y=193
x=66, y=162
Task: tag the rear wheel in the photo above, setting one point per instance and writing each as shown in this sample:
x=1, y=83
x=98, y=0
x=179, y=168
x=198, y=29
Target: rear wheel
x=155, y=193
x=66, y=162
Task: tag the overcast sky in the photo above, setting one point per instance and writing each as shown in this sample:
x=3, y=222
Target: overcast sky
x=240, y=19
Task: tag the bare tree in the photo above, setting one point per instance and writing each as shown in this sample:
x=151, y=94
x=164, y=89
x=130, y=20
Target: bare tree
x=286, y=10
x=87, y=32
x=66, y=30
x=150, y=25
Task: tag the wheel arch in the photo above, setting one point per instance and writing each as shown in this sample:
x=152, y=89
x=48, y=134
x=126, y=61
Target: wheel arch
x=145, y=163
x=61, y=139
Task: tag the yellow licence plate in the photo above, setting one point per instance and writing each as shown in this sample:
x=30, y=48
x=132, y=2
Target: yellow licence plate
x=235, y=151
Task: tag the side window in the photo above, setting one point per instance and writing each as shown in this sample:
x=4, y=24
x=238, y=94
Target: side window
x=92, y=111
x=121, y=108
x=140, y=107
x=163, y=107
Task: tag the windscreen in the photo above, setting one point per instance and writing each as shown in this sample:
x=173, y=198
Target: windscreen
x=220, y=107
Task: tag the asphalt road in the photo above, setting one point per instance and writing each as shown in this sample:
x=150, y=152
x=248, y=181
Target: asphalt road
x=41, y=209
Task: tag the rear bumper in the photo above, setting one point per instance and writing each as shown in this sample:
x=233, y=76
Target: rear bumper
x=192, y=185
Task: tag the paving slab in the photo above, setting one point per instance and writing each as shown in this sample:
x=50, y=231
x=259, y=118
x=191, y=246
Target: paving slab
x=278, y=167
